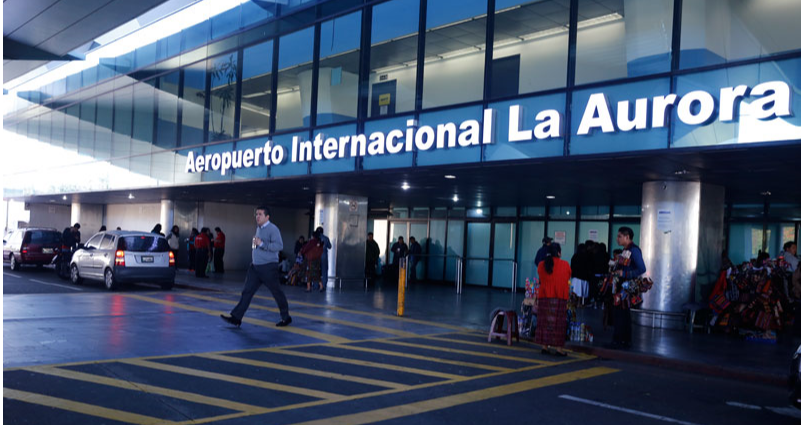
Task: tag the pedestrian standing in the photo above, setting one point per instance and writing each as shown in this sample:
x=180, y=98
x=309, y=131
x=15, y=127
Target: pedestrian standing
x=219, y=251
x=202, y=243
x=263, y=270
x=326, y=244
x=543, y=251
x=190, y=246
x=552, y=296
x=373, y=252
x=157, y=229
x=415, y=251
x=629, y=266
x=312, y=252
x=174, y=240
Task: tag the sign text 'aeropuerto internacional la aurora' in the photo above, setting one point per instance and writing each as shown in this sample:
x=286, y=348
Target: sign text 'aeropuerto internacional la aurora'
x=768, y=100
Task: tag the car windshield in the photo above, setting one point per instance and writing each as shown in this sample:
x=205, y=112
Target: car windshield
x=143, y=244
x=45, y=237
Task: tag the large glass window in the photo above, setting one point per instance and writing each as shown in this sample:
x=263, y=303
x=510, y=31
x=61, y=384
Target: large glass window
x=530, y=46
x=503, y=254
x=144, y=98
x=257, y=95
x=618, y=42
x=745, y=241
x=393, y=57
x=531, y=234
x=454, y=53
x=295, y=54
x=105, y=117
x=123, y=120
x=338, y=80
x=455, y=247
x=720, y=31
x=71, y=127
x=223, y=70
x=193, y=104
x=167, y=121
x=436, y=261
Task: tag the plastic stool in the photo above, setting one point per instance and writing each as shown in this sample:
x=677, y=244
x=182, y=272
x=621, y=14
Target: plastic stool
x=496, y=328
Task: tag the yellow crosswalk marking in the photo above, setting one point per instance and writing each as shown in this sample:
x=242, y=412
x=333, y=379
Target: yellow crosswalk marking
x=305, y=371
x=235, y=379
x=424, y=358
x=264, y=323
x=326, y=319
x=470, y=353
x=83, y=408
x=118, y=383
x=425, y=406
x=368, y=364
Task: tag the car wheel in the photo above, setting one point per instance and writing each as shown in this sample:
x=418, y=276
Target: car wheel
x=108, y=278
x=75, y=277
x=14, y=264
x=168, y=285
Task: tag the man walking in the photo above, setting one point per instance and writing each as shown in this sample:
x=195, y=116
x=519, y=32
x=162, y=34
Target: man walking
x=219, y=251
x=263, y=270
x=326, y=243
x=629, y=266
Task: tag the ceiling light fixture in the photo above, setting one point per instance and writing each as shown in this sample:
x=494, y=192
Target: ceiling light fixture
x=450, y=176
x=681, y=172
x=64, y=197
x=405, y=186
x=550, y=197
x=455, y=198
x=130, y=196
x=765, y=193
x=479, y=211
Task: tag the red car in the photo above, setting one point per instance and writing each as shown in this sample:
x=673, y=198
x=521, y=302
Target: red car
x=32, y=245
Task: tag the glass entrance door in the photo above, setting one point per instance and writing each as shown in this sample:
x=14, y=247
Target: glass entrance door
x=503, y=254
x=478, y=252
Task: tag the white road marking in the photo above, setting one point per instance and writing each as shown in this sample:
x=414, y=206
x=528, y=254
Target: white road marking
x=743, y=405
x=12, y=275
x=623, y=409
x=56, y=284
x=786, y=411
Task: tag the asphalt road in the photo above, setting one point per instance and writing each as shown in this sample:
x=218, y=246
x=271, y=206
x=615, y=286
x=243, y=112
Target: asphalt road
x=144, y=356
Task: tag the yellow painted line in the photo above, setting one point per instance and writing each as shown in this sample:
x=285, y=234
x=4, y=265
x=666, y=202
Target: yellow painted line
x=369, y=364
x=235, y=379
x=459, y=399
x=377, y=315
x=467, y=352
x=530, y=350
x=374, y=328
x=264, y=323
x=424, y=358
x=313, y=372
x=152, y=389
x=83, y=408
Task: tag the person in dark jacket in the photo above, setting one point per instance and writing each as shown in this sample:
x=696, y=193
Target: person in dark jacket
x=299, y=244
x=371, y=257
x=157, y=229
x=543, y=251
x=415, y=251
x=631, y=267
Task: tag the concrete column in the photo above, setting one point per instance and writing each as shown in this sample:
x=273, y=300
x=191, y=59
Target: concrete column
x=682, y=241
x=89, y=216
x=167, y=217
x=344, y=219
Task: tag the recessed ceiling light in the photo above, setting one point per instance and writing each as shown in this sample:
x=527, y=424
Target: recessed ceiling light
x=305, y=187
x=550, y=197
x=450, y=176
x=681, y=172
x=478, y=204
x=405, y=186
x=130, y=196
x=480, y=211
x=765, y=193
x=64, y=197
x=455, y=198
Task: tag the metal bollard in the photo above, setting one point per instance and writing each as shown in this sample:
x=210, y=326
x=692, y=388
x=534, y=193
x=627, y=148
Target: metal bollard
x=401, y=286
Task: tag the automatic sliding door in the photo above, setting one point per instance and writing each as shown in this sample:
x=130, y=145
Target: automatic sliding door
x=503, y=255
x=478, y=251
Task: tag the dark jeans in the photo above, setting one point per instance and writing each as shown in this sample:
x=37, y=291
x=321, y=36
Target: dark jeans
x=267, y=275
x=192, y=258
x=219, y=267
x=324, y=274
x=622, y=322
x=201, y=260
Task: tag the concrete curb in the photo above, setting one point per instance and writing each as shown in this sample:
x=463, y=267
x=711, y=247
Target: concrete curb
x=682, y=365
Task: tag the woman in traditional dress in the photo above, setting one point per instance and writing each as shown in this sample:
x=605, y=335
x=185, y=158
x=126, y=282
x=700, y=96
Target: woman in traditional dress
x=552, y=299
x=312, y=252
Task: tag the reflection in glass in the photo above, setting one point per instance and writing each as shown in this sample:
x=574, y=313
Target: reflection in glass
x=142, y=141
x=71, y=127
x=618, y=42
x=530, y=46
x=105, y=117
x=294, y=79
x=167, y=122
x=393, y=57
x=338, y=80
x=86, y=137
x=223, y=71
x=720, y=31
x=193, y=104
x=454, y=52
x=257, y=78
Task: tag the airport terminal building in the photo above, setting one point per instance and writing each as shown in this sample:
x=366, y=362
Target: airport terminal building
x=476, y=126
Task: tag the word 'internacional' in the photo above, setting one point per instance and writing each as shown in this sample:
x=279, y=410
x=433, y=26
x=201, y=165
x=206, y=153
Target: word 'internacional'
x=771, y=99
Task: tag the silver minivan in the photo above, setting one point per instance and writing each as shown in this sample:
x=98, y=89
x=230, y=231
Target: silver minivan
x=122, y=256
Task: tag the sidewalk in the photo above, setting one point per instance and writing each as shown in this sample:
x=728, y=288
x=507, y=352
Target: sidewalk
x=708, y=354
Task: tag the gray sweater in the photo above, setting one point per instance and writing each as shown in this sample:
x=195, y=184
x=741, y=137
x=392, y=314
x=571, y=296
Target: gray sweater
x=270, y=247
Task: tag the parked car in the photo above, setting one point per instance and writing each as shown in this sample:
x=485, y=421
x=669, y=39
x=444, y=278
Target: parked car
x=795, y=379
x=31, y=245
x=119, y=256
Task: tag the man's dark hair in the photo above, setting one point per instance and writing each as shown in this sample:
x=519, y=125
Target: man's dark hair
x=400, y=238
x=411, y=239
x=788, y=245
x=369, y=233
x=626, y=231
x=319, y=229
x=217, y=229
x=77, y=225
x=263, y=208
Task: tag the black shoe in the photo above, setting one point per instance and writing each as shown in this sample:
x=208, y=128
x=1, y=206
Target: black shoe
x=284, y=322
x=232, y=320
